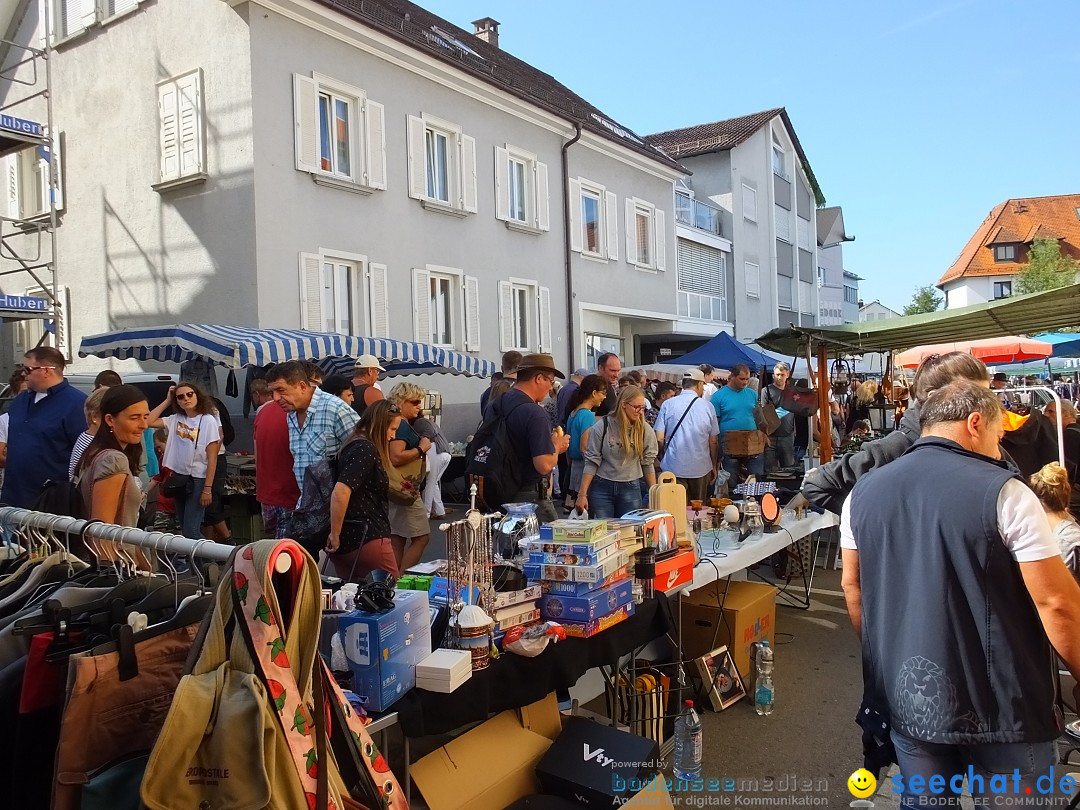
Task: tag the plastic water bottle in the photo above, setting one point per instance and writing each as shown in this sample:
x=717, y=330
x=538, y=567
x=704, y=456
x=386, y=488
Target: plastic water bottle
x=764, y=694
x=687, y=761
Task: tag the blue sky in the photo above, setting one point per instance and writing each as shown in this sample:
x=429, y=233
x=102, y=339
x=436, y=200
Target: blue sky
x=917, y=117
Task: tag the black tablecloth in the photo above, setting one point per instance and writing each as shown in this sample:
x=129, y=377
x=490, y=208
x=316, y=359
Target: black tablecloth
x=513, y=681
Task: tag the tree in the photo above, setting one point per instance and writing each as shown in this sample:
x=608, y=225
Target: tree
x=1047, y=268
x=925, y=299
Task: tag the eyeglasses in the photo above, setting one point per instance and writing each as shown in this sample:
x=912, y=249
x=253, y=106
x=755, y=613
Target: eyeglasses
x=638, y=408
x=31, y=369
x=187, y=395
x=416, y=402
x=548, y=377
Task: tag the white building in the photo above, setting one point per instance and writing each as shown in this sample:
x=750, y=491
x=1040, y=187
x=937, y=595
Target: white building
x=876, y=311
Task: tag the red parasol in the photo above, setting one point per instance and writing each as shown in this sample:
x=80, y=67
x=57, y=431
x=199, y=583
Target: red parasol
x=1008, y=349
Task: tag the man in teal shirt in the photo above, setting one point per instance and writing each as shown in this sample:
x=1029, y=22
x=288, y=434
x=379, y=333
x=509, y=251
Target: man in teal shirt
x=736, y=405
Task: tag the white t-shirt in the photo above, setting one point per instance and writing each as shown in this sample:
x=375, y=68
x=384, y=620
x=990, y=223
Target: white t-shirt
x=185, y=450
x=1021, y=522
x=3, y=427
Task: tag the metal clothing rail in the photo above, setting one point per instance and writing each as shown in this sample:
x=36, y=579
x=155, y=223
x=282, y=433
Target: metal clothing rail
x=14, y=517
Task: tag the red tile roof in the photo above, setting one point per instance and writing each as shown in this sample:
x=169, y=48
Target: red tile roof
x=1015, y=221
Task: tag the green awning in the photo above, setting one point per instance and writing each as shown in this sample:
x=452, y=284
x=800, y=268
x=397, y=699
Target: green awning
x=1018, y=315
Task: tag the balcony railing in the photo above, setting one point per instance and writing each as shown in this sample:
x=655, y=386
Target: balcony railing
x=702, y=307
x=697, y=214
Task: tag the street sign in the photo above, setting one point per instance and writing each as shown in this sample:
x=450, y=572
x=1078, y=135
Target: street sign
x=23, y=303
x=21, y=125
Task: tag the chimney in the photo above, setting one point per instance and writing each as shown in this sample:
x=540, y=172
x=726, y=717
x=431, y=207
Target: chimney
x=487, y=29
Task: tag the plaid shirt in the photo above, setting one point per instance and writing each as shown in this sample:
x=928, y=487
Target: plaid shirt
x=329, y=422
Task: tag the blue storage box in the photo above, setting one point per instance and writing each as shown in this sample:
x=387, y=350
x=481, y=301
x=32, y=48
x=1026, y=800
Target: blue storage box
x=383, y=649
x=593, y=605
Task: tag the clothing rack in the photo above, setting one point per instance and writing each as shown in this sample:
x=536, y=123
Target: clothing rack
x=1055, y=400
x=14, y=517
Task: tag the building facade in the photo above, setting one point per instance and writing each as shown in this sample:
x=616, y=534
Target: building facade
x=875, y=311
x=838, y=289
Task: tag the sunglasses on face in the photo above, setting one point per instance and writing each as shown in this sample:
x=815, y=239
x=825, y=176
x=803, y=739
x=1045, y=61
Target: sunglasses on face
x=31, y=369
x=186, y=395
x=415, y=402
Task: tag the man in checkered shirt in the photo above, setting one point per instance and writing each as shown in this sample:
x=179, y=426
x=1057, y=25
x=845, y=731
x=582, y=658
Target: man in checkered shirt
x=319, y=423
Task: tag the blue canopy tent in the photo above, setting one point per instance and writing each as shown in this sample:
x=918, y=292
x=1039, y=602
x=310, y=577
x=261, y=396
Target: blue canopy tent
x=239, y=346
x=723, y=351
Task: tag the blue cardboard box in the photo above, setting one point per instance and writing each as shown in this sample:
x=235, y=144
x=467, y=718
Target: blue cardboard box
x=594, y=605
x=383, y=649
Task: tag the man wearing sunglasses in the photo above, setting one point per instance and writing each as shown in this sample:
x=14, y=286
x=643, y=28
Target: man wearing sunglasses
x=46, y=419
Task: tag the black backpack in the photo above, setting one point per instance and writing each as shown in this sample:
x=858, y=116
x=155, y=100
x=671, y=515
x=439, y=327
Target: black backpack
x=59, y=498
x=491, y=461
x=309, y=524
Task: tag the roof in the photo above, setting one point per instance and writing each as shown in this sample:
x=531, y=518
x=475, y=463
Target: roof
x=1018, y=315
x=1018, y=221
x=830, y=227
x=720, y=136
x=427, y=32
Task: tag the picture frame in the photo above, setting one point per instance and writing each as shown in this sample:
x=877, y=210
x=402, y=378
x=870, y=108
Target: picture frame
x=722, y=681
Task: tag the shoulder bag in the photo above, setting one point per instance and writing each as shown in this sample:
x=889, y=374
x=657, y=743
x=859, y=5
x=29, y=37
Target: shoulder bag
x=667, y=439
x=407, y=480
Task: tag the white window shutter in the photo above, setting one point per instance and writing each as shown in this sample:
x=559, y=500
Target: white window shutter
x=311, y=291
x=375, y=141
x=575, y=215
x=472, y=314
x=611, y=215
x=422, y=305
x=502, y=184
x=380, y=303
x=306, y=123
x=544, y=310
x=190, y=117
x=56, y=156
x=168, y=110
x=62, y=324
x=543, y=202
x=89, y=11
x=659, y=222
x=631, y=232
x=417, y=177
x=506, y=316
x=468, y=173
x=11, y=183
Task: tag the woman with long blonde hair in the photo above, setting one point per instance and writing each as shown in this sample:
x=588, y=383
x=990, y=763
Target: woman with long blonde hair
x=859, y=407
x=1051, y=484
x=408, y=456
x=620, y=452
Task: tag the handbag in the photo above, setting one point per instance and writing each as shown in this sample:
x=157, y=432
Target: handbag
x=407, y=480
x=178, y=484
x=770, y=419
x=800, y=401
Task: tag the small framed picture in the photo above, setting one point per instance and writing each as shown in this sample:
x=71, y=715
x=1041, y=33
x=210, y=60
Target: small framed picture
x=721, y=677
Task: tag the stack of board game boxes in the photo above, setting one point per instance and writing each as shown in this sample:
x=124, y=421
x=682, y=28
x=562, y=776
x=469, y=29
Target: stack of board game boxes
x=515, y=608
x=584, y=574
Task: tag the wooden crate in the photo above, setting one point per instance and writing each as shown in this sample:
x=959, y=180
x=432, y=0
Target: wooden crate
x=744, y=443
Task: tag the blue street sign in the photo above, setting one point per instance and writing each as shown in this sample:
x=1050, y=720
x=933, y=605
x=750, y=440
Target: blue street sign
x=23, y=303
x=21, y=125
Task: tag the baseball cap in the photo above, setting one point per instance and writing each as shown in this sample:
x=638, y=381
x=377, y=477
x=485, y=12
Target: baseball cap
x=368, y=361
x=694, y=374
x=582, y=372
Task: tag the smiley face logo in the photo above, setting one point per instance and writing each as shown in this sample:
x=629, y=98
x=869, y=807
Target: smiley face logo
x=862, y=784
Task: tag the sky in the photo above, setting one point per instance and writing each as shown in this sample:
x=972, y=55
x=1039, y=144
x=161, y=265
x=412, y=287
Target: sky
x=917, y=117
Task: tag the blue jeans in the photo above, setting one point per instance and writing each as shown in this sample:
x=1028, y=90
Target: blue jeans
x=609, y=499
x=755, y=465
x=981, y=763
x=189, y=511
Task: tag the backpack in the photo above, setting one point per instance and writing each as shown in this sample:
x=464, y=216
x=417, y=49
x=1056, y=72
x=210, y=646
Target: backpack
x=59, y=498
x=309, y=524
x=491, y=461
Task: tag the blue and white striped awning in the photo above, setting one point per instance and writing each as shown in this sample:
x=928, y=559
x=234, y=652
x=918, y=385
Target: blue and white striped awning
x=239, y=346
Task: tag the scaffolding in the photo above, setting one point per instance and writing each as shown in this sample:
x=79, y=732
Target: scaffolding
x=28, y=238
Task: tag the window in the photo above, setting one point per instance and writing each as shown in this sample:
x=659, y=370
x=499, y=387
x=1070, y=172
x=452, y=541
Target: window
x=702, y=271
x=340, y=134
x=26, y=177
x=442, y=165
x=1004, y=253
x=821, y=276
x=446, y=308
x=1002, y=289
x=806, y=297
x=752, y=276
x=851, y=295
x=521, y=190
x=181, y=130
x=645, y=237
x=442, y=304
x=113, y=8
x=594, y=227
x=73, y=17
x=525, y=316
x=783, y=223
x=749, y=203
x=778, y=161
x=344, y=294
x=34, y=332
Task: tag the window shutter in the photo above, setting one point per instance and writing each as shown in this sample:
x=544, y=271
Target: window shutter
x=506, y=316
x=752, y=279
x=190, y=116
x=611, y=214
x=75, y=15
x=783, y=223
x=802, y=228
x=380, y=304
x=306, y=123
x=631, y=231
x=375, y=141
x=417, y=179
x=468, y=173
x=502, y=184
x=62, y=323
x=118, y=6
x=472, y=314
x=749, y=203
x=11, y=181
x=170, y=130
x=422, y=305
x=659, y=222
x=311, y=291
x=575, y=215
x=543, y=202
x=89, y=11
x=544, y=309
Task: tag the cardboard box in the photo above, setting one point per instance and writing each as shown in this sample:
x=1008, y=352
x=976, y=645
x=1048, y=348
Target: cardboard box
x=674, y=571
x=593, y=605
x=594, y=574
x=573, y=531
x=596, y=765
x=750, y=610
x=570, y=553
x=383, y=649
x=507, y=598
x=591, y=628
x=582, y=588
x=515, y=615
x=744, y=443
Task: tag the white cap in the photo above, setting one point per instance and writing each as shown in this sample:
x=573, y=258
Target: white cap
x=694, y=374
x=367, y=361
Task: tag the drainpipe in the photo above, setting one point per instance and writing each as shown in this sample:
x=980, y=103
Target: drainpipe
x=566, y=245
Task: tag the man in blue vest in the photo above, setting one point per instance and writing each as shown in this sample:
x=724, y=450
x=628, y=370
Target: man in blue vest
x=44, y=422
x=960, y=596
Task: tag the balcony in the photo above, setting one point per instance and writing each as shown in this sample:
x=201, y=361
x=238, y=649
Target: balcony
x=697, y=214
x=702, y=307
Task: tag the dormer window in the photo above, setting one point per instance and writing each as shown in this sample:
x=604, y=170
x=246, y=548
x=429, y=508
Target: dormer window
x=1004, y=253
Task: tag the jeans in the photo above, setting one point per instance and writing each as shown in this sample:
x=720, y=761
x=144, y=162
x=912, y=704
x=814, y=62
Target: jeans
x=189, y=511
x=545, y=509
x=980, y=762
x=610, y=499
x=782, y=452
x=755, y=465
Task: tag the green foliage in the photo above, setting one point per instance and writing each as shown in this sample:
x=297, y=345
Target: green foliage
x=925, y=299
x=1047, y=268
